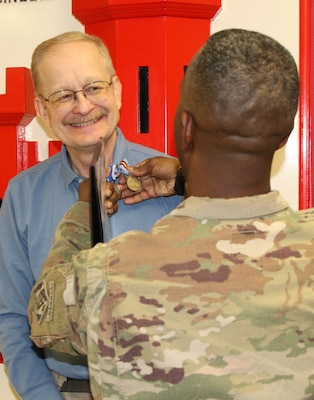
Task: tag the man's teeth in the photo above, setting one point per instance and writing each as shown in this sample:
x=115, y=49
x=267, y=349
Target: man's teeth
x=81, y=124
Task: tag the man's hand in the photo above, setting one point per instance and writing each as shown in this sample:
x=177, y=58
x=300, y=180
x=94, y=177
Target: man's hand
x=157, y=176
x=84, y=191
x=112, y=195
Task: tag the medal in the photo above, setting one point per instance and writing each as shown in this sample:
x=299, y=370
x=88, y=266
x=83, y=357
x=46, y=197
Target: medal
x=133, y=183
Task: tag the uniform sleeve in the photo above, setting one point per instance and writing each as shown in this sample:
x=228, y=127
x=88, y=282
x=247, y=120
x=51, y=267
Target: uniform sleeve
x=26, y=369
x=54, y=311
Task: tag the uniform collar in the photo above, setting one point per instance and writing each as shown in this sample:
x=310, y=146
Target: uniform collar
x=236, y=208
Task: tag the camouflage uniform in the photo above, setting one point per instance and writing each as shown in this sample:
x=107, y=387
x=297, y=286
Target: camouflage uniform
x=216, y=302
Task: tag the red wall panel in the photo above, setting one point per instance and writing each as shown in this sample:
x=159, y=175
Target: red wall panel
x=306, y=160
x=160, y=35
x=16, y=111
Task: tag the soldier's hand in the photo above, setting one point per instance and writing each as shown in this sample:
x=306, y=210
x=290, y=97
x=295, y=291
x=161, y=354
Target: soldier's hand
x=157, y=176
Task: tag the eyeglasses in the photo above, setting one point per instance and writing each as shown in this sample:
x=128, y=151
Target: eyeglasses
x=90, y=91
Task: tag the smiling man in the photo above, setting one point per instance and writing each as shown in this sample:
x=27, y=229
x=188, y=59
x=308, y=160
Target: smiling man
x=81, y=99
x=78, y=95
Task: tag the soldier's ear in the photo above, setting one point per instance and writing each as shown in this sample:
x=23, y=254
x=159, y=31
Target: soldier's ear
x=188, y=125
x=283, y=141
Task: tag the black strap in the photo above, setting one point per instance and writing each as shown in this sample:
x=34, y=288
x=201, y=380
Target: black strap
x=97, y=234
x=72, y=385
x=179, y=183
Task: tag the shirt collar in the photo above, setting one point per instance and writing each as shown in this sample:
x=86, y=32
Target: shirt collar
x=67, y=172
x=121, y=147
x=236, y=208
x=69, y=175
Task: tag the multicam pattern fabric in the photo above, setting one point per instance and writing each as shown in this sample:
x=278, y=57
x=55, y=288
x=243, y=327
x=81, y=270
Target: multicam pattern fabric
x=215, y=303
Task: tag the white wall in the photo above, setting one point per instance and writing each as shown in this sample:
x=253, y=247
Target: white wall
x=25, y=24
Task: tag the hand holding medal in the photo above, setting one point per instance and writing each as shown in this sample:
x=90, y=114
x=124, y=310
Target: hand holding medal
x=132, y=182
x=116, y=170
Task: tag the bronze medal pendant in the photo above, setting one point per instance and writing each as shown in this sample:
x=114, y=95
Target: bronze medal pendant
x=133, y=183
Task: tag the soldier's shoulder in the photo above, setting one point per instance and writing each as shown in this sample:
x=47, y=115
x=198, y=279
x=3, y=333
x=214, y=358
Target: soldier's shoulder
x=305, y=216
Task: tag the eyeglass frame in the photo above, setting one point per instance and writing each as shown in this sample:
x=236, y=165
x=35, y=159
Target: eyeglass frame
x=109, y=84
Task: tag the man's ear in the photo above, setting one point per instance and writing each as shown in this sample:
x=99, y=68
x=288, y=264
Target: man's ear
x=117, y=90
x=187, y=128
x=40, y=108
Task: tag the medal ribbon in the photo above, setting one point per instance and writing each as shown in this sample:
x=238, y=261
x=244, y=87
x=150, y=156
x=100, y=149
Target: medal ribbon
x=115, y=170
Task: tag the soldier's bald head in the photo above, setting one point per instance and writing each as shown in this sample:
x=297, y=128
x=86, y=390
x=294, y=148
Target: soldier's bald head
x=246, y=83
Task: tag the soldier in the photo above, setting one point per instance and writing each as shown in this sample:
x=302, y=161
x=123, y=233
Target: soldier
x=216, y=302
